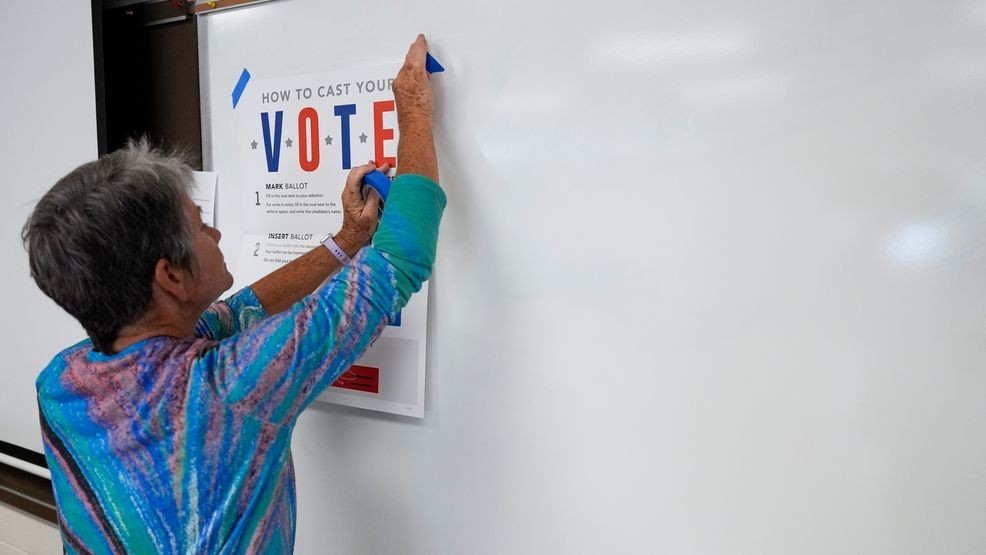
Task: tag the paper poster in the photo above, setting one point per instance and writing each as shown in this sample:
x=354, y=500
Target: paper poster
x=297, y=139
x=204, y=195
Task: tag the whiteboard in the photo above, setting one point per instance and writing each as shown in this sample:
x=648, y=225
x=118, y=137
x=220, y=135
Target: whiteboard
x=48, y=110
x=710, y=279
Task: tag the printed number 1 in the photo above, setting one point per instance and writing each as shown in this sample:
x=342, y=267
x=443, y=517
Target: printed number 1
x=258, y=197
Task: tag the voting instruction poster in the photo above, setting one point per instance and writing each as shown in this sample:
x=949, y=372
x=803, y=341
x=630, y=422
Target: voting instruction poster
x=297, y=139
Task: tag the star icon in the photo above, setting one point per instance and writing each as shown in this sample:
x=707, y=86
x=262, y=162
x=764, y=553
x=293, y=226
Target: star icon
x=253, y=145
x=288, y=143
x=362, y=138
x=328, y=139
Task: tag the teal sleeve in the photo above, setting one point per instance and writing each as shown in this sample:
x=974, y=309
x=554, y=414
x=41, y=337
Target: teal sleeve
x=408, y=237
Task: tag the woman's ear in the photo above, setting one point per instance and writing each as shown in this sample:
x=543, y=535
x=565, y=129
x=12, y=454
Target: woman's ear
x=172, y=280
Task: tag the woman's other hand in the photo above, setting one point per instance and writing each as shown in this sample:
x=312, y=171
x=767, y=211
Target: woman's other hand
x=359, y=216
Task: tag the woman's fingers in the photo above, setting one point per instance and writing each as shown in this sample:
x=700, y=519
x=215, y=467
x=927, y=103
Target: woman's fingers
x=371, y=205
x=353, y=192
x=416, y=53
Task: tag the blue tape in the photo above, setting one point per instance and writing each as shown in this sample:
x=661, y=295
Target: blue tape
x=379, y=182
x=240, y=85
x=397, y=321
x=432, y=65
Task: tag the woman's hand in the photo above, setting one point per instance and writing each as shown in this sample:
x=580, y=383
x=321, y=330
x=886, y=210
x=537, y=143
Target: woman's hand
x=412, y=87
x=359, y=217
x=415, y=107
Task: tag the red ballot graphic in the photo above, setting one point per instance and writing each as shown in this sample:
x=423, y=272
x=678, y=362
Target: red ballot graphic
x=360, y=378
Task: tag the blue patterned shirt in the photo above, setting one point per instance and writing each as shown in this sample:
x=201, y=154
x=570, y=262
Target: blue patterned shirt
x=182, y=445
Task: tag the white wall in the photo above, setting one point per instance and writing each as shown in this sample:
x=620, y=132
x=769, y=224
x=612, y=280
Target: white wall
x=48, y=115
x=711, y=278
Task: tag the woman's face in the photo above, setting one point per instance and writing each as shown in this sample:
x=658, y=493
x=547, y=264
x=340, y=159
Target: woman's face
x=211, y=277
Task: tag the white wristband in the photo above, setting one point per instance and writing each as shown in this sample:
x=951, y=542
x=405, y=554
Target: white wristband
x=335, y=250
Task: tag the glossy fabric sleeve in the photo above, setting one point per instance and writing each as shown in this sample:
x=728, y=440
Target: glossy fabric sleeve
x=276, y=368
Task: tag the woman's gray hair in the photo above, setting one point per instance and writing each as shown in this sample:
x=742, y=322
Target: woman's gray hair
x=94, y=239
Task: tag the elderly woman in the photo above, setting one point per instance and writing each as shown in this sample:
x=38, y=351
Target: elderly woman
x=169, y=429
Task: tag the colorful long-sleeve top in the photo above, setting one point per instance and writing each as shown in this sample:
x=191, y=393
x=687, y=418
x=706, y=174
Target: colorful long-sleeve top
x=182, y=445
